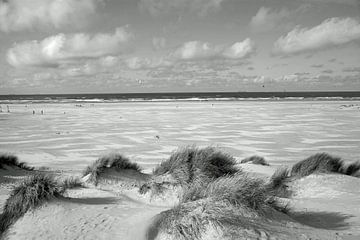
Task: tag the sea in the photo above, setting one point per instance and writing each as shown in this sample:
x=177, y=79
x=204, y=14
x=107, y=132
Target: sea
x=181, y=96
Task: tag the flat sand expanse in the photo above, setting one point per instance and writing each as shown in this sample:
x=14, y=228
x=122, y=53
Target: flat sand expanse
x=70, y=136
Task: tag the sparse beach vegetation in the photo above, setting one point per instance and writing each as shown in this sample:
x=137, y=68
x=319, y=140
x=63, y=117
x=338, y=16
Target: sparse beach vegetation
x=10, y=160
x=352, y=169
x=226, y=202
x=112, y=161
x=278, y=183
x=256, y=160
x=324, y=163
x=29, y=194
x=190, y=162
x=72, y=182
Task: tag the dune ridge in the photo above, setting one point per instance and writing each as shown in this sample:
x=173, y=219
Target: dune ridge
x=197, y=193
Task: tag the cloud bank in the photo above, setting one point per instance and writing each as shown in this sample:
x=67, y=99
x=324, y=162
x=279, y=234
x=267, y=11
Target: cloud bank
x=331, y=32
x=61, y=48
x=197, y=50
x=17, y=15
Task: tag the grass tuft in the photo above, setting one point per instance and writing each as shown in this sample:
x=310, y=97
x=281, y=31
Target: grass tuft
x=278, y=183
x=113, y=161
x=12, y=161
x=72, y=182
x=352, y=169
x=256, y=160
x=238, y=189
x=187, y=163
x=320, y=162
x=31, y=193
x=234, y=200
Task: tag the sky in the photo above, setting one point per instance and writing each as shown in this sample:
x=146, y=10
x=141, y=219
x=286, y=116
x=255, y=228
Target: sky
x=121, y=46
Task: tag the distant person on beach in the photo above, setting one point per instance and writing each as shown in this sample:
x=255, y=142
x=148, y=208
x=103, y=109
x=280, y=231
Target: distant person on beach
x=0, y=109
x=42, y=112
x=8, y=109
x=33, y=112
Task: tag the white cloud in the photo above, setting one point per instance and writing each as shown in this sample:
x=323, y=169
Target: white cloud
x=165, y=7
x=239, y=49
x=17, y=15
x=136, y=63
x=331, y=32
x=61, y=48
x=195, y=50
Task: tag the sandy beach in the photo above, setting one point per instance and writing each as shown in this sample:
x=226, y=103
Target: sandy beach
x=69, y=137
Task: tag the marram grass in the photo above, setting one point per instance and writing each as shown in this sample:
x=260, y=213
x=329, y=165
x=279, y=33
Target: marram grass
x=112, y=161
x=187, y=163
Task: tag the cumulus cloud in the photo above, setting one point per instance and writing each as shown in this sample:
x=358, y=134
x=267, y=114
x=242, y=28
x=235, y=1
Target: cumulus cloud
x=179, y=7
x=197, y=50
x=61, y=48
x=331, y=32
x=136, y=63
x=17, y=15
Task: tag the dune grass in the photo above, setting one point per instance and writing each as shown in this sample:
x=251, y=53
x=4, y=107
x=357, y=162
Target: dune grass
x=234, y=200
x=324, y=163
x=113, y=161
x=278, y=183
x=238, y=189
x=12, y=161
x=71, y=182
x=30, y=194
x=320, y=162
x=256, y=160
x=187, y=163
x=352, y=169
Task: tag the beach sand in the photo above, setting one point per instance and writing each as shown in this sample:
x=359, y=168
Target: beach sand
x=69, y=137
x=66, y=138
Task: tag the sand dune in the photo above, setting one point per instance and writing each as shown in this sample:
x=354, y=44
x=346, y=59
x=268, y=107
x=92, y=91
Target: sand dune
x=87, y=214
x=324, y=206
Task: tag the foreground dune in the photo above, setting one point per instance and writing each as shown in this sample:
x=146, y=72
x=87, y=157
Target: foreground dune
x=88, y=214
x=180, y=201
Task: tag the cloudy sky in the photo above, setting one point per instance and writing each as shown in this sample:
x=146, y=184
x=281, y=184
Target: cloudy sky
x=96, y=46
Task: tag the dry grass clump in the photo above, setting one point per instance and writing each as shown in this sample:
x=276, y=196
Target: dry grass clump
x=320, y=162
x=324, y=163
x=191, y=220
x=226, y=201
x=189, y=162
x=352, y=169
x=256, y=160
x=278, y=183
x=31, y=193
x=113, y=161
x=72, y=182
x=12, y=161
x=239, y=189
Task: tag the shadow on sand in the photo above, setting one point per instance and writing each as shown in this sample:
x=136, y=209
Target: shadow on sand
x=92, y=201
x=323, y=220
